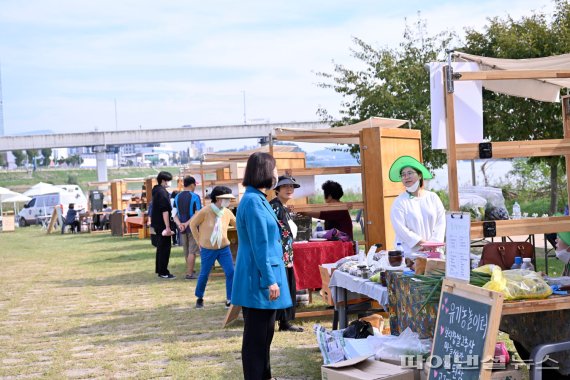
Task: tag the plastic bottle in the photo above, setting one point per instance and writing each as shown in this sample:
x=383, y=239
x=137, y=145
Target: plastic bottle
x=516, y=211
x=527, y=264
x=317, y=233
x=400, y=248
x=518, y=263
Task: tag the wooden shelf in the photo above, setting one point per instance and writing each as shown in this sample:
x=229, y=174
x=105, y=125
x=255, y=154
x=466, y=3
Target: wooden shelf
x=527, y=226
x=513, y=149
x=300, y=172
x=328, y=206
x=534, y=306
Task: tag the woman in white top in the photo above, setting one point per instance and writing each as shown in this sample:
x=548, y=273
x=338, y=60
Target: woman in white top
x=417, y=214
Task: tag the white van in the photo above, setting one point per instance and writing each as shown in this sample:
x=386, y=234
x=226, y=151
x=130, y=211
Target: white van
x=42, y=205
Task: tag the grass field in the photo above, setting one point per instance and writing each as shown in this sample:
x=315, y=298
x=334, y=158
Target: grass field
x=21, y=180
x=90, y=306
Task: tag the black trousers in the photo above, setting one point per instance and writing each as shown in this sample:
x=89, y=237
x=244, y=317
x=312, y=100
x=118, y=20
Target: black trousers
x=258, y=330
x=163, y=245
x=286, y=315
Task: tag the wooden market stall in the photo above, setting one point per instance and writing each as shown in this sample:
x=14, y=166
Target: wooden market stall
x=381, y=143
x=540, y=79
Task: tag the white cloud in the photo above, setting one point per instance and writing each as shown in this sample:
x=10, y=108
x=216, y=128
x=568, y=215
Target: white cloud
x=187, y=62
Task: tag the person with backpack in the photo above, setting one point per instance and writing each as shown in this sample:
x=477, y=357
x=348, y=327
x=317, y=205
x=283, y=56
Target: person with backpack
x=187, y=203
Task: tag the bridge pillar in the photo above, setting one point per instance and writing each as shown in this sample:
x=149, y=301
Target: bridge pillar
x=101, y=157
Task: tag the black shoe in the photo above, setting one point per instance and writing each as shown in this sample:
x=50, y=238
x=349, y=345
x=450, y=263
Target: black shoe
x=228, y=304
x=200, y=303
x=167, y=276
x=290, y=327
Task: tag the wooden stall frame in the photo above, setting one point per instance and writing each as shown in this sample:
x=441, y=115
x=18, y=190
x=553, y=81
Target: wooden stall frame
x=379, y=147
x=505, y=149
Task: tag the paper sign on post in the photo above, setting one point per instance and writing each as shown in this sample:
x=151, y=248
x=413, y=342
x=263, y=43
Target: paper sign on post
x=457, y=246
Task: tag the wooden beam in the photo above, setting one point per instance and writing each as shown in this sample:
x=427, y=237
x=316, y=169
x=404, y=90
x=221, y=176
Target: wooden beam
x=329, y=206
x=512, y=149
x=528, y=226
x=317, y=136
x=566, y=127
x=511, y=74
x=299, y=172
x=534, y=306
x=452, y=181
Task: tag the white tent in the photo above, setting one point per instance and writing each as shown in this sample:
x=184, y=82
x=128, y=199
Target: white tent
x=547, y=90
x=5, y=193
x=15, y=198
x=42, y=188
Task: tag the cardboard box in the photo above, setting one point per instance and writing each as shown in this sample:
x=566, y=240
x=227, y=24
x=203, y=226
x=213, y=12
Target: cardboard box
x=364, y=368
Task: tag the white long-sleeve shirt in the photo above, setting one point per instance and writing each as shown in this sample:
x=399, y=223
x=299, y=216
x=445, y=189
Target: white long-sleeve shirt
x=418, y=218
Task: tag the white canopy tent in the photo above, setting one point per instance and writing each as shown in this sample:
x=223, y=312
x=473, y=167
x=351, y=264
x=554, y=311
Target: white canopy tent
x=15, y=198
x=42, y=188
x=547, y=90
x=4, y=194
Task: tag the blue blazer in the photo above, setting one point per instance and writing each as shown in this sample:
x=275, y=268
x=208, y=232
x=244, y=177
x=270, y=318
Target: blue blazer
x=259, y=260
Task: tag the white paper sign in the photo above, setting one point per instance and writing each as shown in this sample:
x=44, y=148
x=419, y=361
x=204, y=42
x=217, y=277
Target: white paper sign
x=457, y=246
x=468, y=106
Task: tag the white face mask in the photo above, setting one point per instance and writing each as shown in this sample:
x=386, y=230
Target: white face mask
x=225, y=202
x=414, y=187
x=168, y=183
x=563, y=255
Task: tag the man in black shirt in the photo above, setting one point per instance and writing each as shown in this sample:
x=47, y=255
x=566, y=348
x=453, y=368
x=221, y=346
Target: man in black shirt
x=160, y=222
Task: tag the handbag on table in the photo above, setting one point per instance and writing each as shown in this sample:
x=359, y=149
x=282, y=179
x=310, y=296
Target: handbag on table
x=503, y=254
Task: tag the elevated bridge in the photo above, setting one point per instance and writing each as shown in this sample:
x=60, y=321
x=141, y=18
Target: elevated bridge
x=101, y=140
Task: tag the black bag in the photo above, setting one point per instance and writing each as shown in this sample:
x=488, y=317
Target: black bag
x=358, y=329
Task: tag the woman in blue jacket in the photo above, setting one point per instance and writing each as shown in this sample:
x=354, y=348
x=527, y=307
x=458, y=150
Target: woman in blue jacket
x=260, y=283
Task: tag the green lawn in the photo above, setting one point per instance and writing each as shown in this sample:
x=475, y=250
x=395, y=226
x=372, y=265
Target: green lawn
x=22, y=180
x=90, y=306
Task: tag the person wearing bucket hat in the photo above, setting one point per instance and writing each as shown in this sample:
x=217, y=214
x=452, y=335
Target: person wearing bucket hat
x=210, y=228
x=284, y=190
x=562, y=254
x=417, y=215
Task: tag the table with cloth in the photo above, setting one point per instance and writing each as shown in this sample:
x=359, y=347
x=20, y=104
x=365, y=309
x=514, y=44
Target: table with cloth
x=307, y=256
x=342, y=283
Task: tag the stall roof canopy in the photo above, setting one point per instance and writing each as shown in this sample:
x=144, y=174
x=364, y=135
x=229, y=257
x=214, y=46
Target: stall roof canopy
x=547, y=90
x=347, y=134
x=243, y=155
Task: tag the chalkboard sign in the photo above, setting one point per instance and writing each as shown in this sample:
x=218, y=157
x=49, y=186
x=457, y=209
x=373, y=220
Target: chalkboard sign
x=465, y=334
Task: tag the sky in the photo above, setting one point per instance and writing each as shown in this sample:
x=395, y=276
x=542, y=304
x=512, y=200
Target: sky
x=79, y=66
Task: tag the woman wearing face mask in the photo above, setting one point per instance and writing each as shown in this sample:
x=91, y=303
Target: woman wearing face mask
x=562, y=248
x=210, y=229
x=260, y=283
x=284, y=193
x=417, y=214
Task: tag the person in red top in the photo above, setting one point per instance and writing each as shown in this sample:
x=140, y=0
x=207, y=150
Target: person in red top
x=339, y=219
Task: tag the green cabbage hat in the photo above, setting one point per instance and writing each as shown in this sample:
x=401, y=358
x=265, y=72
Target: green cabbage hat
x=407, y=161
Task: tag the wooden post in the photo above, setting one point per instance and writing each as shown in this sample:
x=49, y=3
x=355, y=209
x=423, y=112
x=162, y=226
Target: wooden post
x=566, y=125
x=451, y=148
x=271, y=144
x=203, y=180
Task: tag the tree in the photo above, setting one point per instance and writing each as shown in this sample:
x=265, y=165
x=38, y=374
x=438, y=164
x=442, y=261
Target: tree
x=19, y=157
x=508, y=118
x=393, y=83
x=3, y=160
x=46, y=154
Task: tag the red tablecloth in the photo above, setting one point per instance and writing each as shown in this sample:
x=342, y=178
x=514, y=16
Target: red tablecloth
x=308, y=256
